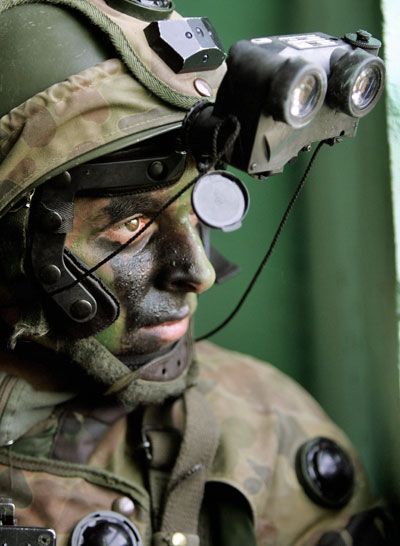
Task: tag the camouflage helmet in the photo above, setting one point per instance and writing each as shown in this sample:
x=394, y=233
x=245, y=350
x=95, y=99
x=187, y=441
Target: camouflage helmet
x=79, y=80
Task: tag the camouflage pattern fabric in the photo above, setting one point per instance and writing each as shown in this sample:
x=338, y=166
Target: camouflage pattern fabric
x=264, y=418
x=101, y=109
x=126, y=35
x=51, y=131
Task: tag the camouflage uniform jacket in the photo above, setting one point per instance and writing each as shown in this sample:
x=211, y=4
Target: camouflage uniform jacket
x=79, y=461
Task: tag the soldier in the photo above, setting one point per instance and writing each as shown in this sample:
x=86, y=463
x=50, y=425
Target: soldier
x=114, y=429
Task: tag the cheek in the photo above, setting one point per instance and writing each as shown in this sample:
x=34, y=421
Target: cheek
x=128, y=274
x=112, y=336
x=83, y=248
x=131, y=277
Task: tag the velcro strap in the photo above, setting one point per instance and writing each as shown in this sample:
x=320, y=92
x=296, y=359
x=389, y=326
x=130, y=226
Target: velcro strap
x=164, y=446
x=185, y=489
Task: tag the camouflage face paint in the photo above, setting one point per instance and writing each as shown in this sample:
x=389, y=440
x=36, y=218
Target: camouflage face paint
x=157, y=277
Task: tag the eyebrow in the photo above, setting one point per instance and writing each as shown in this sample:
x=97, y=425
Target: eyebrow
x=123, y=206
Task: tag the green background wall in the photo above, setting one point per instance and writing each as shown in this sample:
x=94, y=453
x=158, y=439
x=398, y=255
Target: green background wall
x=324, y=310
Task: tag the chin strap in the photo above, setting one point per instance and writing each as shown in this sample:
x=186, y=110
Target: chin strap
x=177, y=494
x=167, y=366
x=146, y=385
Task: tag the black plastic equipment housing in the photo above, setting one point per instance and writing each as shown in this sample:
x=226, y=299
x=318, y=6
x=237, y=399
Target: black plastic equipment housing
x=248, y=94
x=186, y=45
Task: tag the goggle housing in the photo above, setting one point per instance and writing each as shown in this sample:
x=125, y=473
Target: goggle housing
x=288, y=92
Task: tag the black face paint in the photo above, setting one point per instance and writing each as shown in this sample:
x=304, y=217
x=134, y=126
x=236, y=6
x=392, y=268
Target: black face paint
x=156, y=277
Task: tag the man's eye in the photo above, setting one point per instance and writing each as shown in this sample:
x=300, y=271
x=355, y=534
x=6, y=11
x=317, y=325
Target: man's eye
x=133, y=224
x=121, y=233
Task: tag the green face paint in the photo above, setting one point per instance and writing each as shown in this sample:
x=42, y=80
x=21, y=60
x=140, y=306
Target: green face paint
x=157, y=277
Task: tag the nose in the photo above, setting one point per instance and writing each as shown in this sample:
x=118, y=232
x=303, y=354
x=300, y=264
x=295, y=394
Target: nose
x=185, y=266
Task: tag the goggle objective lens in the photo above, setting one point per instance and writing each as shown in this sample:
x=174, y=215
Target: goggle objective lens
x=366, y=87
x=305, y=96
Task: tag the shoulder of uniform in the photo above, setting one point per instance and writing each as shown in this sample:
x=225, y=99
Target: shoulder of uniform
x=263, y=386
x=275, y=438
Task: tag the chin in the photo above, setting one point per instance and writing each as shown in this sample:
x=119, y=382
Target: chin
x=143, y=347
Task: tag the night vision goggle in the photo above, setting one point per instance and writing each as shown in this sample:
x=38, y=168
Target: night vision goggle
x=286, y=93
x=280, y=94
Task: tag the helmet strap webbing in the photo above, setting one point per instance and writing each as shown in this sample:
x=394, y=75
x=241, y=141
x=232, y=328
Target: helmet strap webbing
x=178, y=502
x=115, y=380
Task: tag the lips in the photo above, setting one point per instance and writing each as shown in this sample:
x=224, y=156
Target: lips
x=171, y=327
x=168, y=331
